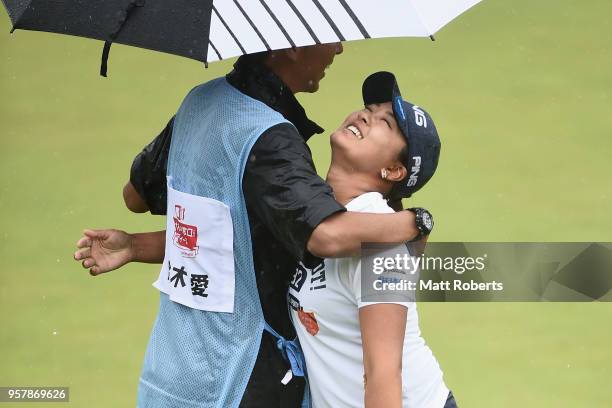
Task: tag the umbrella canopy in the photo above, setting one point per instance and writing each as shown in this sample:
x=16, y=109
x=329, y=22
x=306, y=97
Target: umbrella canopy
x=210, y=31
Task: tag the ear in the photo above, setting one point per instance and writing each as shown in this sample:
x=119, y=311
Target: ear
x=396, y=173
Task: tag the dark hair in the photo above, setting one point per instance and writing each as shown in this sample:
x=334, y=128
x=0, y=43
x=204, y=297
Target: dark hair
x=404, y=157
x=252, y=59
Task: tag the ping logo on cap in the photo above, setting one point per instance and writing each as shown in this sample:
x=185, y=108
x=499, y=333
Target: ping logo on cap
x=414, y=171
x=419, y=117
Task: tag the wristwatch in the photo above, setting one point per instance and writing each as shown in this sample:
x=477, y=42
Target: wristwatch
x=424, y=221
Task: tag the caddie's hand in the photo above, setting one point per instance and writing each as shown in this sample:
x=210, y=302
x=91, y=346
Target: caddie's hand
x=102, y=251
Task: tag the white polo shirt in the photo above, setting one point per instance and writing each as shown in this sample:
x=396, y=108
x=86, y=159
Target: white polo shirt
x=324, y=305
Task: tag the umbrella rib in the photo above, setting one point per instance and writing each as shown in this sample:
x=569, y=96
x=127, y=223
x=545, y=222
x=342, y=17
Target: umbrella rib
x=304, y=22
x=261, y=37
x=355, y=19
x=229, y=30
x=278, y=23
x=329, y=20
x=215, y=49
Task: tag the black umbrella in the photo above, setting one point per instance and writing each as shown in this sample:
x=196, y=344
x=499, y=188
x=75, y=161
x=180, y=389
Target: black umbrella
x=177, y=27
x=204, y=31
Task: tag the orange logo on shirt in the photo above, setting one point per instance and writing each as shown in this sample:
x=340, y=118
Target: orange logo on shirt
x=308, y=321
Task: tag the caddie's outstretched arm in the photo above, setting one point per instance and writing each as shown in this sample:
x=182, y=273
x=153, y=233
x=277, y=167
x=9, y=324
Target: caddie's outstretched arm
x=341, y=234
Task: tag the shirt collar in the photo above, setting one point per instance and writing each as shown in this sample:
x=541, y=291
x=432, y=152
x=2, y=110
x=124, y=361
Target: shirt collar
x=259, y=82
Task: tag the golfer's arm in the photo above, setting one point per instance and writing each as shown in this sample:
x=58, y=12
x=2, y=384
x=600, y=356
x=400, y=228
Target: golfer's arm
x=148, y=247
x=382, y=333
x=341, y=234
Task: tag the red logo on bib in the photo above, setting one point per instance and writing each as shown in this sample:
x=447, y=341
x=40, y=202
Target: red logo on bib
x=185, y=235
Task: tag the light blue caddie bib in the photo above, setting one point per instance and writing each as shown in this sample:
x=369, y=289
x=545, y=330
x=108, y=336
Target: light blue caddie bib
x=195, y=357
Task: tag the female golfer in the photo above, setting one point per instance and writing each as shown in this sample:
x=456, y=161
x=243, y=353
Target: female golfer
x=357, y=349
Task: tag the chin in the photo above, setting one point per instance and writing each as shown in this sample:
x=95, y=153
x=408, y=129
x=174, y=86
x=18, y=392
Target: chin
x=313, y=87
x=339, y=142
x=342, y=145
x=335, y=138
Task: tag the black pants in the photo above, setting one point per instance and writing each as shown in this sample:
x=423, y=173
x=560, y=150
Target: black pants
x=450, y=401
x=264, y=389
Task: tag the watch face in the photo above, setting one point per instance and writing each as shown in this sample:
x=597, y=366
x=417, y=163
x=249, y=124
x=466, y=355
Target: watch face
x=427, y=221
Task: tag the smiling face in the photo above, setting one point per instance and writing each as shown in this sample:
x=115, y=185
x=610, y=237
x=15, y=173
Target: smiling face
x=369, y=140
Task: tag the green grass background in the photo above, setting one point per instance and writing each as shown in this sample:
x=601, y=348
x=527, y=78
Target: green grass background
x=521, y=95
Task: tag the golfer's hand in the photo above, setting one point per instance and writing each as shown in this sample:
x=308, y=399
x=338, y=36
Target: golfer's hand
x=102, y=251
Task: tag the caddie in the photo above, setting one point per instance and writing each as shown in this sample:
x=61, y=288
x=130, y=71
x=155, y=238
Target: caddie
x=244, y=205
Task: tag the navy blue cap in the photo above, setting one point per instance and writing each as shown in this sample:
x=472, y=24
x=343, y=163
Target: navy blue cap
x=416, y=125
